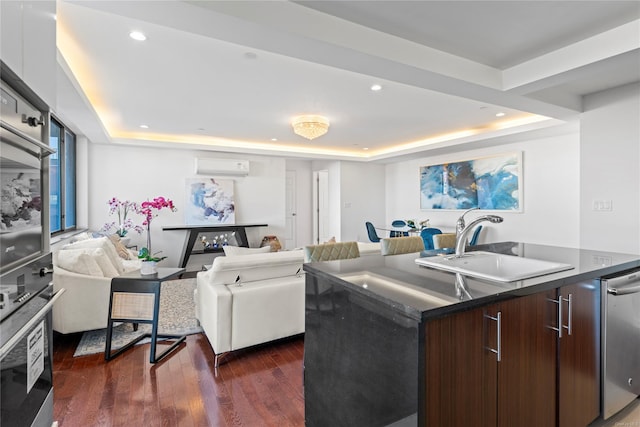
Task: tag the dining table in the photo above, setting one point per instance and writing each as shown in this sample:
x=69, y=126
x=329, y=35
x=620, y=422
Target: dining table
x=400, y=230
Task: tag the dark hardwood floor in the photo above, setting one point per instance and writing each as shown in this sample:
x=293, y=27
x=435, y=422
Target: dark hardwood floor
x=261, y=386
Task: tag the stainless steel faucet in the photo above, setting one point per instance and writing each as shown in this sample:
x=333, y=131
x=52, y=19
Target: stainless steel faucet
x=462, y=230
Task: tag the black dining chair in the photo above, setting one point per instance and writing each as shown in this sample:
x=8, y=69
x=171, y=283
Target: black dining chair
x=371, y=231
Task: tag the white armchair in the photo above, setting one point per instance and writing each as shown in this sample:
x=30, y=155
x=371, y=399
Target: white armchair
x=251, y=299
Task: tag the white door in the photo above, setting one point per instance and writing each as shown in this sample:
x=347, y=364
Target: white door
x=321, y=206
x=290, y=224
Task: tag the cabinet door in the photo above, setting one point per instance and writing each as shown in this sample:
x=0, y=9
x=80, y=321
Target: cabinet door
x=527, y=369
x=579, y=368
x=39, y=49
x=460, y=373
x=11, y=36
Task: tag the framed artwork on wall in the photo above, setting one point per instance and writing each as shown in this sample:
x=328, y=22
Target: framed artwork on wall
x=209, y=201
x=488, y=183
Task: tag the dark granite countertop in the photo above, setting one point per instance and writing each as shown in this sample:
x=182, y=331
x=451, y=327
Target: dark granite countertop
x=397, y=282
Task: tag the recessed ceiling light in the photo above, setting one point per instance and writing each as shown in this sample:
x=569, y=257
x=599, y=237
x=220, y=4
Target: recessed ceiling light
x=365, y=148
x=250, y=55
x=501, y=114
x=137, y=35
x=376, y=87
x=274, y=139
x=144, y=126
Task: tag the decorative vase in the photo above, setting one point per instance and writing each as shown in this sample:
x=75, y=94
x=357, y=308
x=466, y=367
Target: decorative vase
x=271, y=241
x=148, y=267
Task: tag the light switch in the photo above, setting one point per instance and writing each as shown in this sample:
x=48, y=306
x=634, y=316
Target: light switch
x=603, y=205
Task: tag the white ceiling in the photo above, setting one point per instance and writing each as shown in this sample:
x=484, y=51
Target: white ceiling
x=230, y=75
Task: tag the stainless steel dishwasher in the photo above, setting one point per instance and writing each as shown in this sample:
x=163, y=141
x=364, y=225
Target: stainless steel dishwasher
x=620, y=341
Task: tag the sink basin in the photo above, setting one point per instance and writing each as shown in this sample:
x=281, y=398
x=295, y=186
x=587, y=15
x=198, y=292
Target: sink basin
x=492, y=266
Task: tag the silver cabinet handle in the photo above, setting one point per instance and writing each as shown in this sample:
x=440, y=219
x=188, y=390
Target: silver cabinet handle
x=559, y=328
x=569, y=313
x=498, y=350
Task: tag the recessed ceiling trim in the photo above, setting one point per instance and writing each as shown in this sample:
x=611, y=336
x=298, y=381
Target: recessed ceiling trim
x=597, y=48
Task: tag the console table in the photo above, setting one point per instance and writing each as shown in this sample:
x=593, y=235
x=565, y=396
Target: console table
x=135, y=298
x=195, y=233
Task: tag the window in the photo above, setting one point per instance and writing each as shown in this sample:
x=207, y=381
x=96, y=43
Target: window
x=62, y=179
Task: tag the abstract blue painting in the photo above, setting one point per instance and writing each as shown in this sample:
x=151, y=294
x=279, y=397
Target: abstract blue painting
x=488, y=183
x=209, y=201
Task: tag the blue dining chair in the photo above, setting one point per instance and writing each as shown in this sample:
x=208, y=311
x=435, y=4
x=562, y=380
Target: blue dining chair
x=398, y=223
x=427, y=236
x=474, y=238
x=371, y=231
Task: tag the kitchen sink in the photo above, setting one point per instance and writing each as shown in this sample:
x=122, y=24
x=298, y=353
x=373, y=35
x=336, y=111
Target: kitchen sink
x=493, y=266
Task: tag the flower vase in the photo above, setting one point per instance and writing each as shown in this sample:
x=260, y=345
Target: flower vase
x=148, y=267
x=149, y=236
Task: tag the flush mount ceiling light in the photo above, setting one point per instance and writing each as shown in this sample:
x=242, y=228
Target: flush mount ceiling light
x=310, y=126
x=137, y=35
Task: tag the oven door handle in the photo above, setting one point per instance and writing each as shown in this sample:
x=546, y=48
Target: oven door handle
x=35, y=319
x=16, y=132
x=624, y=290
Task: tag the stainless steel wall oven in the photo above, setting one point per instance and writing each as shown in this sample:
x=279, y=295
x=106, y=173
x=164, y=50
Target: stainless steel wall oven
x=26, y=297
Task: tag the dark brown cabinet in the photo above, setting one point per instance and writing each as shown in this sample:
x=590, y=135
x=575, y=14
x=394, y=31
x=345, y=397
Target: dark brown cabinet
x=505, y=364
x=579, y=355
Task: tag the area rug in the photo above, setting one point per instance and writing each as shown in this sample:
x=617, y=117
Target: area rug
x=177, y=317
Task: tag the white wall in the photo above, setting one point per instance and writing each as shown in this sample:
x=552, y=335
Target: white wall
x=141, y=173
x=356, y=195
x=362, y=198
x=335, y=215
x=550, y=215
x=610, y=156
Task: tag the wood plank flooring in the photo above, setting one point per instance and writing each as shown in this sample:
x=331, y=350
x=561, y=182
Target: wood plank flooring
x=261, y=386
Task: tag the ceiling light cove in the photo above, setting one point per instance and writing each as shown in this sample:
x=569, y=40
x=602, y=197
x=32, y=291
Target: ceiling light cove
x=154, y=139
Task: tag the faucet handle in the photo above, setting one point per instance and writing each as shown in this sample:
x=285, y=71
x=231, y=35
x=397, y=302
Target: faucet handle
x=460, y=224
x=467, y=211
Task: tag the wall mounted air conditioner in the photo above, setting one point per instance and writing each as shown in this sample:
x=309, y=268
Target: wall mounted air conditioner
x=222, y=167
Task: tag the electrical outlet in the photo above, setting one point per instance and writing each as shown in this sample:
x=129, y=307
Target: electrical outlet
x=601, y=260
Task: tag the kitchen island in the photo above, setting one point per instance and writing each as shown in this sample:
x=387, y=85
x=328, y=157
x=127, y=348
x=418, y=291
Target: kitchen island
x=389, y=342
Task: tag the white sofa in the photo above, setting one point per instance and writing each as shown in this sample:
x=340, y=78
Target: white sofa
x=251, y=299
x=85, y=269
